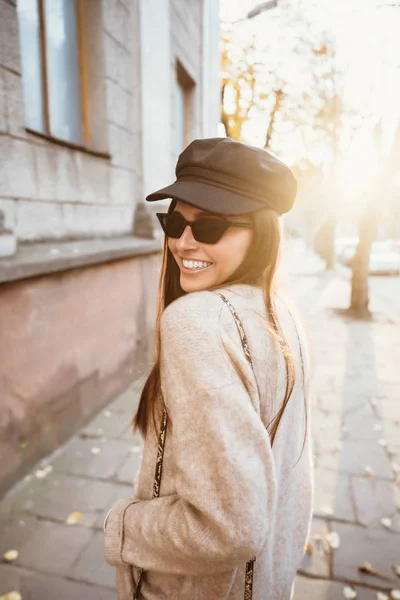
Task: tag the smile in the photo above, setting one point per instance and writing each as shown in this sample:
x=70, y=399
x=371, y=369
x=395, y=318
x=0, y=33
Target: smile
x=196, y=265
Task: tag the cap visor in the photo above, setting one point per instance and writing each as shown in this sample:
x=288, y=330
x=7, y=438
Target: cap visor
x=207, y=197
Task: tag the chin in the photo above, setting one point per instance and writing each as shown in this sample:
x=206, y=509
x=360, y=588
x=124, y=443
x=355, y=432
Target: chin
x=198, y=284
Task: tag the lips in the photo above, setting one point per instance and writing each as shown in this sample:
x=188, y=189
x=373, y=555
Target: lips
x=194, y=266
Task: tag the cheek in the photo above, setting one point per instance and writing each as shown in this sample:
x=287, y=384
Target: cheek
x=231, y=250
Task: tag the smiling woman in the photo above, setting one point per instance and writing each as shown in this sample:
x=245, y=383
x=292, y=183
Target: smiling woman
x=206, y=265
x=231, y=494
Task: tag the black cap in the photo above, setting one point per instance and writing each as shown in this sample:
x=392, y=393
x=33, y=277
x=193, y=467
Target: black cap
x=228, y=177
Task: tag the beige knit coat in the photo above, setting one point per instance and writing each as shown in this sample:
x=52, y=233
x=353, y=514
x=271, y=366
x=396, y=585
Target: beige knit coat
x=226, y=495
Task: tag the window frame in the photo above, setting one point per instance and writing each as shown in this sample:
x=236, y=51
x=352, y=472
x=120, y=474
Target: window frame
x=83, y=82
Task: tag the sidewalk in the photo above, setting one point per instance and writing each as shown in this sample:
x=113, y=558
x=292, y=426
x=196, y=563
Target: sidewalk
x=356, y=432
x=356, y=435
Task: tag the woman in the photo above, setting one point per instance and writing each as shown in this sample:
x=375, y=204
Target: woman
x=225, y=410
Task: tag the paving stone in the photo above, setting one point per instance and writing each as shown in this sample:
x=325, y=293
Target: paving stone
x=77, y=458
x=361, y=426
x=365, y=383
x=128, y=400
x=16, y=530
x=108, y=423
x=390, y=392
x=129, y=469
x=391, y=432
x=87, y=566
x=36, y=586
x=394, y=452
x=326, y=425
x=332, y=491
x=315, y=589
x=387, y=410
x=341, y=402
x=354, y=456
x=359, y=544
x=59, y=494
x=317, y=563
x=53, y=547
x=375, y=499
x=120, y=491
x=132, y=436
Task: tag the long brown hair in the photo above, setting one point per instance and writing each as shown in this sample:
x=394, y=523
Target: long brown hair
x=258, y=269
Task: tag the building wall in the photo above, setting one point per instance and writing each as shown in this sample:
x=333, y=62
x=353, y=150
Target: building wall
x=52, y=192
x=68, y=343
x=71, y=340
x=48, y=191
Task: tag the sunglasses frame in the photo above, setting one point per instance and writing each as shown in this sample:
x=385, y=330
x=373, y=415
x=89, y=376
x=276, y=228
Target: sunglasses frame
x=162, y=217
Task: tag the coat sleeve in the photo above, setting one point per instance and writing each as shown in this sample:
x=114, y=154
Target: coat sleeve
x=225, y=482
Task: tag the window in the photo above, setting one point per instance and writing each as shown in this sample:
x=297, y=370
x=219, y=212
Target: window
x=184, y=100
x=53, y=68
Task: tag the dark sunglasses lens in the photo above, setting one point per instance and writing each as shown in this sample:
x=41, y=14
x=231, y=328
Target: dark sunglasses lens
x=173, y=225
x=209, y=231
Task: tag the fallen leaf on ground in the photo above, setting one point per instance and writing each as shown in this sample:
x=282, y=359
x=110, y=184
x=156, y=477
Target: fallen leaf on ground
x=333, y=539
x=42, y=473
x=349, y=593
x=14, y=595
x=10, y=556
x=369, y=471
x=309, y=548
x=368, y=568
x=386, y=522
x=336, y=448
x=95, y=450
x=73, y=518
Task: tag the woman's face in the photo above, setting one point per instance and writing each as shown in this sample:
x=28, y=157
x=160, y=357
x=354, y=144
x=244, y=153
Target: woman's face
x=219, y=261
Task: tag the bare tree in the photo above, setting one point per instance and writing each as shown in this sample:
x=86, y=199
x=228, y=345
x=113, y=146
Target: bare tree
x=369, y=223
x=258, y=75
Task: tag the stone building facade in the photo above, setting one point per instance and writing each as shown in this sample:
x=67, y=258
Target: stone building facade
x=96, y=102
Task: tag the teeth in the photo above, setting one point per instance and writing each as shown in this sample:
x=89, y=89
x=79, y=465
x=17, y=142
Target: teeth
x=195, y=264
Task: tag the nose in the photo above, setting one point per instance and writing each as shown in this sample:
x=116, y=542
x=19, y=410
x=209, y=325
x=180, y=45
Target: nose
x=186, y=241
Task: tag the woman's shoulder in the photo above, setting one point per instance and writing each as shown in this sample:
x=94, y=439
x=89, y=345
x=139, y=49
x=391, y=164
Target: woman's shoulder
x=198, y=309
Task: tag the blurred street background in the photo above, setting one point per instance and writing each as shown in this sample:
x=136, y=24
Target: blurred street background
x=97, y=100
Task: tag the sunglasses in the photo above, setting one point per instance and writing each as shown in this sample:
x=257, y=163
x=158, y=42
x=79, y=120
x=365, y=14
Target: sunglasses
x=206, y=230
